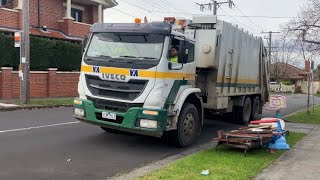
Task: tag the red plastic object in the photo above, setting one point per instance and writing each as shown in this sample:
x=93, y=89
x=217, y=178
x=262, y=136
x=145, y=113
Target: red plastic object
x=271, y=120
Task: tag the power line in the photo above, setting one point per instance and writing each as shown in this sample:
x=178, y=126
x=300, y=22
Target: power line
x=165, y=9
x=247, y=17
x=239, y=16
x=124, y=12
x=137, y=6
x=141, y=8
x=267, y=17
x=173, y=6
x=239, y=21
x=214, y=5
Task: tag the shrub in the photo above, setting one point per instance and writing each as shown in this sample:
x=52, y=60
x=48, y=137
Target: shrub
x=44, y=53
x=286, y=82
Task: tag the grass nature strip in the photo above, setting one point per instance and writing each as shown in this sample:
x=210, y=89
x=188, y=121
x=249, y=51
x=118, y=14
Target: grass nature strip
x=226, y=163
x=304, y=117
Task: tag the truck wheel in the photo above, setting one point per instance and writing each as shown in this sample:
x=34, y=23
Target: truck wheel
x=245, y=111
x=255, y=108
x=111, y=130
x=189, y=126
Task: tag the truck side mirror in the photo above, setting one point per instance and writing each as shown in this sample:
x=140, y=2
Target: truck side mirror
x=183, y=53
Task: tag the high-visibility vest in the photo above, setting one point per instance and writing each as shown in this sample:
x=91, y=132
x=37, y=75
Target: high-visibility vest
x=174, y=59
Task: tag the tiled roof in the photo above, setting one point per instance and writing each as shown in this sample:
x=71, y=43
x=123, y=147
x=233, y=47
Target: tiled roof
x=52, y=34
x=286, y=71
x=49, y=33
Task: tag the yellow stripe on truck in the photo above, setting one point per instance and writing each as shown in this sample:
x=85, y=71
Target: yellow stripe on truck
x=120, y=71
x=239, y=80
x=141, y=73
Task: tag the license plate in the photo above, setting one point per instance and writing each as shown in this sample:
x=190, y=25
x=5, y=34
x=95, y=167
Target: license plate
x=107, y=115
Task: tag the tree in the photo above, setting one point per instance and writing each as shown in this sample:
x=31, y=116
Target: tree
x=308, y=22
x=283, y=55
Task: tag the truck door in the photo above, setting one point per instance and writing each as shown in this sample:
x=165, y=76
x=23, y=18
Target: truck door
x=182, y=72
x=185, y=60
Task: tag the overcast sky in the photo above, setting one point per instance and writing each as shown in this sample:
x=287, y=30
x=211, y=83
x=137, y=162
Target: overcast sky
x=154, y=11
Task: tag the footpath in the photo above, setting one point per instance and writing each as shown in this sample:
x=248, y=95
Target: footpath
x=302, y=161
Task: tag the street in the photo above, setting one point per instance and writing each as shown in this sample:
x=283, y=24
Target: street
x=51, y=144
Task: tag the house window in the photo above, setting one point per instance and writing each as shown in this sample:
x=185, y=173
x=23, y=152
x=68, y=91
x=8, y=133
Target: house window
x=3, y=2
x=76, y=14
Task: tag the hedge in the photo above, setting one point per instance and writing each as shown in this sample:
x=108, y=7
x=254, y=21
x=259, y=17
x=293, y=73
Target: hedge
x=44, y=53
x=288, y=83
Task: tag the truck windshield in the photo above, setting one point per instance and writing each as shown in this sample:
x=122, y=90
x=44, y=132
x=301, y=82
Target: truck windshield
x=106, y=46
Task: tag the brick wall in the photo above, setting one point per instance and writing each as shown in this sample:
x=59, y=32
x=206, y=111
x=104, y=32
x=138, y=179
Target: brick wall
x=73, y=28
x=51, y=12
x=87, y=16
x=95, y=14
x=66, y=84
x=49, y=83
x=9, y=18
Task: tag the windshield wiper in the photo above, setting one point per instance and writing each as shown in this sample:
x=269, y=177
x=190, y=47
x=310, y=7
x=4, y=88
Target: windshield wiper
x=94, y=58
x=134, y=57
x=149, y=58
x=130, y=57
x=103, y=56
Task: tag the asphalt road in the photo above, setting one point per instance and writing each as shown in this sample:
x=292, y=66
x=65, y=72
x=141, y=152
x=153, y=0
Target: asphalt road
x=50, y=144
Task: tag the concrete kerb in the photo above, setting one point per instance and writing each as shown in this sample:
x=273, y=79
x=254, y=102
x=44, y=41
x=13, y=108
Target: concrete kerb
x=141, y=171
x=19, y=108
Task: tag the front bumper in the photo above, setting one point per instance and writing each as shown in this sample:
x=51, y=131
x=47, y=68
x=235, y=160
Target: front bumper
x=129, y=121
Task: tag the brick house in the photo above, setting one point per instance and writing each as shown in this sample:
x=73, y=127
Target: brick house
x=63, y=19
x=58, y=19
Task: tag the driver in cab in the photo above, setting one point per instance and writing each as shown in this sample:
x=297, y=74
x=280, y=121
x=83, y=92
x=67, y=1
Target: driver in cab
x=174, y=54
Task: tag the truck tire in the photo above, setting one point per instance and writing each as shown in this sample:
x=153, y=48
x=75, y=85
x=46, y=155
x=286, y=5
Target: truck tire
x=255, y=108
x=189, y=126
x=245, y=112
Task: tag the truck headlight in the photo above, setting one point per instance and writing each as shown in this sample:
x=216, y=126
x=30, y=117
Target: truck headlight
x=150, y=124
x=78, y=112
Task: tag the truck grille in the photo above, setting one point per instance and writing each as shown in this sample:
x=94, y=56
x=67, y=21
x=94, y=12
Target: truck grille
x=117, y=90
x=113, y=106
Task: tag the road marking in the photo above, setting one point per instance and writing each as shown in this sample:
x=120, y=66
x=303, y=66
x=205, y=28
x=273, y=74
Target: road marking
x=38, y=127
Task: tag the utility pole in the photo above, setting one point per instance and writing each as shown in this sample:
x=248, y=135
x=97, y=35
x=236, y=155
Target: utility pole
x=312, y=81
x=25, y=55
x=270, y=42
x=214, y=6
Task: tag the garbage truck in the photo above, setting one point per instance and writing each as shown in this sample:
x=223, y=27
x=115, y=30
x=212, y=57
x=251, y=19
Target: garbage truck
x=129, y=83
